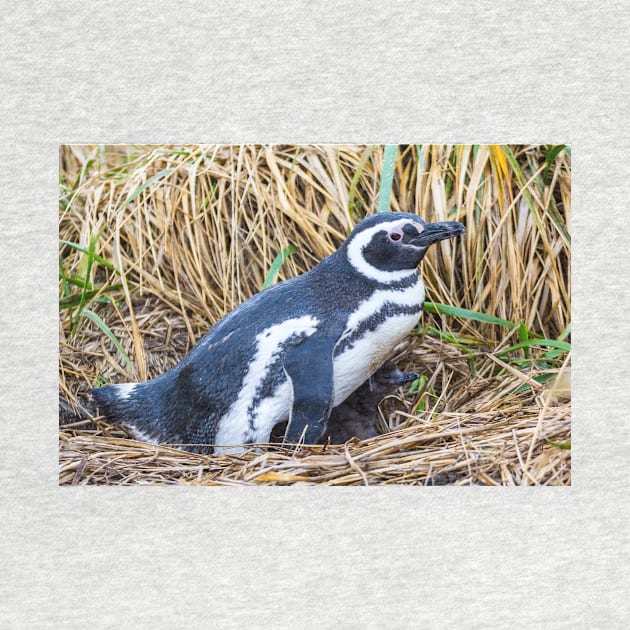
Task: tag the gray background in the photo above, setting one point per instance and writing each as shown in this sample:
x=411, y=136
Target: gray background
x=313, y=557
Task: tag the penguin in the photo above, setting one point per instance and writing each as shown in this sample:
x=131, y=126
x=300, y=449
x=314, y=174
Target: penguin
x=357, y=416
x=292, y=352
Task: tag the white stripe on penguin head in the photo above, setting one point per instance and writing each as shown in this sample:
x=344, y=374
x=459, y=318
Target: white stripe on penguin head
x=360, y=242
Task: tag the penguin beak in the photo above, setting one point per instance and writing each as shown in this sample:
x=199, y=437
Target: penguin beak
x=407, y=377
x=434, y=232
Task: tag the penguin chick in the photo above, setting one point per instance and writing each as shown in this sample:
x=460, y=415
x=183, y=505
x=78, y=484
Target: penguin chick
x=78, y=412
x=357, y=416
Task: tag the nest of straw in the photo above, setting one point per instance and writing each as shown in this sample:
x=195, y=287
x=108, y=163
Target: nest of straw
x=188, y=233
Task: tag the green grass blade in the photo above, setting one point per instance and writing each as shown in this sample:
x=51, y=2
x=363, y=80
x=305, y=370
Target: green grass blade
x=550, y=157
x=464, y=313
x=110, y=335
x=298, y=148
x=418, y=384
x=387, y=177
x=459, y=342
x=523, y=335
x=539, y=378
x=553, y=354
x=466, y=341
x=77, y=281
x=65, y=280
x=565, y=446
x=276, y=264
x=538, y=343
x=86, y=284
x=146, y=184
x=522, y=181
x=70, y=301
x=86, y=167
x=86, y=251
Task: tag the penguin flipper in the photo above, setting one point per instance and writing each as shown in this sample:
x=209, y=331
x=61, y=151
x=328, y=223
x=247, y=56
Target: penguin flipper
x=313, y=388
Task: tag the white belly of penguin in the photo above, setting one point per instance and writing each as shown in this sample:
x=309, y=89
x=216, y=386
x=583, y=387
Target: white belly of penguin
x=354, y=366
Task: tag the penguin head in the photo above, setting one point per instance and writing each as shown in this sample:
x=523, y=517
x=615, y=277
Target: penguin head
x=389, y=378
x=388, y=246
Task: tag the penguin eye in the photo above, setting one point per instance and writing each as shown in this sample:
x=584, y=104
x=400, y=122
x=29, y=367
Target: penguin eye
x=396, y=235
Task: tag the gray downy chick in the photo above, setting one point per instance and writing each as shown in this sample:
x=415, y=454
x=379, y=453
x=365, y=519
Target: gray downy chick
x=357, y=416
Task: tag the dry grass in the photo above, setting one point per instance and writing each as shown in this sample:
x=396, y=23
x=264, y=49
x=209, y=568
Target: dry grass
x=192, y=232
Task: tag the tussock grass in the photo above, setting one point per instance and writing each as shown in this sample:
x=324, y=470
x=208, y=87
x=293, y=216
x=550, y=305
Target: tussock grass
x=157, y=243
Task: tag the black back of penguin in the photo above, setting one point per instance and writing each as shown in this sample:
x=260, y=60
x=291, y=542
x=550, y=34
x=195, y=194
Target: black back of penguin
x=294, y=350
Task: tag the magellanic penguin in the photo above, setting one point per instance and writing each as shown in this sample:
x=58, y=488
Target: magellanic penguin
x=293, y=351
x=357, y=415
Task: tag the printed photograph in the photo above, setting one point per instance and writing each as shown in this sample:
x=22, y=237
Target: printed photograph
x=325, y=314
